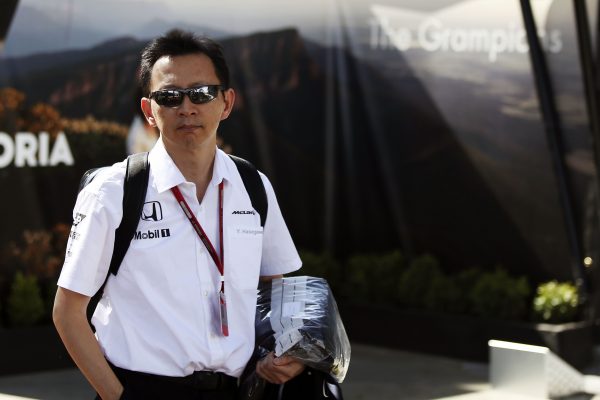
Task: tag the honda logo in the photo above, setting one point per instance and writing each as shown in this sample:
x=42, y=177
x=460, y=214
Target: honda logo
x=152, y=211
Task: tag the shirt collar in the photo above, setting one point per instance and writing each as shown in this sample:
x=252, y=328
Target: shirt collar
x=221, y=169
x=167, y=175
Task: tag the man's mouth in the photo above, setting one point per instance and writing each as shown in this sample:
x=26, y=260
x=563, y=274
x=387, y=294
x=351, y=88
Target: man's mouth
x=188, y=127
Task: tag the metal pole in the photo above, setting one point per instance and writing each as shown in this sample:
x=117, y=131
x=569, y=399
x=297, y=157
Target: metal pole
x=553, y=133
x=590, y=84
x=330, y=172
x=589, y=77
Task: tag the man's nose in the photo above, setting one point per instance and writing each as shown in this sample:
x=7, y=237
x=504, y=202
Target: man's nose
x=187, y=107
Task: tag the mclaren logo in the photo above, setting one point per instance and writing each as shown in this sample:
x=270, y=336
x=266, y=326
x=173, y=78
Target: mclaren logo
x=242, y=212
x=155, y=234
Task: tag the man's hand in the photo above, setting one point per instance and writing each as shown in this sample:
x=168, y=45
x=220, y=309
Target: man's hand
x=279, y=370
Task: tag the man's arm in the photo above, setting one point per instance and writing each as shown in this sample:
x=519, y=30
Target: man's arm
x=71, y=322
x=278, y=370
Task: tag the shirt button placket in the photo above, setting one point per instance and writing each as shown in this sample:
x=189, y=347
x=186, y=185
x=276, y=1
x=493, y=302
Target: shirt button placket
x=200, y=261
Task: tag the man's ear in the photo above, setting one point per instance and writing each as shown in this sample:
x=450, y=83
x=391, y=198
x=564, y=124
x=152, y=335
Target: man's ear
x=229, y=96
x=146, y=105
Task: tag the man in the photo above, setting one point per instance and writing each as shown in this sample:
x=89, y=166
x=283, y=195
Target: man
x=158, y=325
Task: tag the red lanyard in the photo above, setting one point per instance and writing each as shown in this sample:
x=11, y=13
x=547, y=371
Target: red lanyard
x=198, y=228
x=219, y=261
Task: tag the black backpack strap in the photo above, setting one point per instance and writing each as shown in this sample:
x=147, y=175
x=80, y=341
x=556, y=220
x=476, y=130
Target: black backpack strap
x=135, y=186
x=134, y=194
x=88, y=177
x=254, y=186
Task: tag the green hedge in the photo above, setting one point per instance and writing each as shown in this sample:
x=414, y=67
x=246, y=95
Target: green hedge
x=499, y=295
x=421, y=283
x=386, y=279
x=25, y=306
x=373, y=278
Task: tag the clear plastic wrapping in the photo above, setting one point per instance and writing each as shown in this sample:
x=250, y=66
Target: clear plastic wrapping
x=303, y=321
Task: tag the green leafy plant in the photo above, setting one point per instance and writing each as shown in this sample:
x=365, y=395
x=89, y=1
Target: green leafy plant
x=36, y=254
x=25, y=306
x=374, y=277
x=465, y=281
x=498, y=295
x=415, y=288
x=443, y=294
x=556, y=302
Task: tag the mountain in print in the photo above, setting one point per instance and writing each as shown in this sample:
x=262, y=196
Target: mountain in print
x=398, y=176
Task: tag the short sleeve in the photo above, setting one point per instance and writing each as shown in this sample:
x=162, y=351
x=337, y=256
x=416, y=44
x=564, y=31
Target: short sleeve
x=96, y=215
x=279, y=254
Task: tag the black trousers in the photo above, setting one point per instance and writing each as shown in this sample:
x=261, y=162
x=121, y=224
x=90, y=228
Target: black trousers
x=201, y=385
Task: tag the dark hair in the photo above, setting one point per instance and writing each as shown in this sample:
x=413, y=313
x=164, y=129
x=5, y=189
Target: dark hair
x=178, y=43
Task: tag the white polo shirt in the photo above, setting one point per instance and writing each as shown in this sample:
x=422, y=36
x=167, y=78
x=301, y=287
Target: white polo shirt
x=160, y=313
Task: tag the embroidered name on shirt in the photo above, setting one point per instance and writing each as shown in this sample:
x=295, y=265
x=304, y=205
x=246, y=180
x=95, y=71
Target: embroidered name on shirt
x=242, y=212
x=248, y=231
x=157, y=233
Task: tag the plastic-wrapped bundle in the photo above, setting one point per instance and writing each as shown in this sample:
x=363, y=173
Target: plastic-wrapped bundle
x=302, y=317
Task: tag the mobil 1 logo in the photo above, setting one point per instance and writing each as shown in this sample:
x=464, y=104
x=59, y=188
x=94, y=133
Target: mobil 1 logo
x=152, y=234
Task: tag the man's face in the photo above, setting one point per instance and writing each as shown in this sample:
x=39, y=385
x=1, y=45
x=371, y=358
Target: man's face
x=188, y=126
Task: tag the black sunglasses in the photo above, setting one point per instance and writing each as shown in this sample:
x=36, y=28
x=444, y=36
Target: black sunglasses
x=198, y=95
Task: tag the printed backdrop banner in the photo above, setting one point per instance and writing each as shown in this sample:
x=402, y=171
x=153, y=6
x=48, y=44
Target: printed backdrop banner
x=382, y=124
